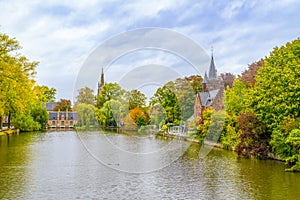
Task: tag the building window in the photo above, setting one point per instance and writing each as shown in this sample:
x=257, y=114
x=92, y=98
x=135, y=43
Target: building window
x=62, y=123
x=53, y=122
x=71, y=123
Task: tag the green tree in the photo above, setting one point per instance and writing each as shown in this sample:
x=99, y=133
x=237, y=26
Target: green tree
x=157, y=115
x=166, y=97
x=205, y=123
x=282, y=145
x=25, y=122
x=136, y=98
x=138, y=116
x=110, y=91
x=85, y=96
x=86, y=114
x=110, y=113
x=40, y=115
x=32, y=119
x=277, y=89
x=195, y=81
x=185, y=93
x=293, y=141
x=16, y=79
x=44, y=93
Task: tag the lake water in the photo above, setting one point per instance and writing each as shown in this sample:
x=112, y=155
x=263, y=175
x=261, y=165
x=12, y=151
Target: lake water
x=94, y=165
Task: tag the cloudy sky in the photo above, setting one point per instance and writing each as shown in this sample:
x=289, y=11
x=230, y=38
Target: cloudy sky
x=61, y=35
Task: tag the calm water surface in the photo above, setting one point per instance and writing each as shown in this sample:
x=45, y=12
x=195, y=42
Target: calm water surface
x=58, y=165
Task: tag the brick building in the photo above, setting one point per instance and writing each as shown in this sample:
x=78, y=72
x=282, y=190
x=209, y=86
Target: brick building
x=60, y=119
x=212, y=94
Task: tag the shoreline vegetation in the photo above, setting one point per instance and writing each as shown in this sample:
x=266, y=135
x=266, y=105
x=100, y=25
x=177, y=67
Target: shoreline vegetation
x=262, y=109
x=9, y=132
x=211, y=143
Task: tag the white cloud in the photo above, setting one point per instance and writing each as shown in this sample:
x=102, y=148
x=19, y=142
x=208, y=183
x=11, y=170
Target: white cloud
x=61, y=34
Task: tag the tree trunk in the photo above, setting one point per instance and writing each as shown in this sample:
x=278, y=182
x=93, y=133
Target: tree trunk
x=0, y=123
x=8, y=121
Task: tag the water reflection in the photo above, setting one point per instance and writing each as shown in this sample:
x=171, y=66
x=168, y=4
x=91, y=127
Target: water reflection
x=55, y=165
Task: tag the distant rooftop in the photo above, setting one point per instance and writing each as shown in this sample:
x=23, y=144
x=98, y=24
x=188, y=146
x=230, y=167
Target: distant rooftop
x=50, y=106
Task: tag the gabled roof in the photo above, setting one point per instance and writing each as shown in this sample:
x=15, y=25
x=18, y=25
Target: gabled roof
x=212, y=73
x=50, y=106
x=207, y=98
x=71, y=115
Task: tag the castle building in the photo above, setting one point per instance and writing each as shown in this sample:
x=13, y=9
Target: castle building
x=212, y=92
x=60, y=119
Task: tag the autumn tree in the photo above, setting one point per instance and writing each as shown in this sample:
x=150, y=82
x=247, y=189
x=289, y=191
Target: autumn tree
x=44, y=93
x=254, y=137
x=16, y=80
x=63, y=105
x=228, y=79
x=138, y=116
x=249, y=75
x=195, y=82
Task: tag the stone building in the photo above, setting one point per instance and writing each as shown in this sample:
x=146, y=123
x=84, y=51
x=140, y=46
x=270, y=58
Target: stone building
x=60, y=119
x=212, y=92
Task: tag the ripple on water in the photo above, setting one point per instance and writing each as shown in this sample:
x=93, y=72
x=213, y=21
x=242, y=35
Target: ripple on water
x=55, y=165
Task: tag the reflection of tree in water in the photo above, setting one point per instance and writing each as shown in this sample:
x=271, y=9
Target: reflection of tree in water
x=193, y=151
x=13, y=164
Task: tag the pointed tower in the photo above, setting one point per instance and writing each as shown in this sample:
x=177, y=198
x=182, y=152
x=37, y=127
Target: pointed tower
x=101, y=82
x=204, y=83
x=212, y=73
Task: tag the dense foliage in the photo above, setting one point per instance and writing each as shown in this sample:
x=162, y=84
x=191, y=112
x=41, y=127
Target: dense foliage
x=86, y=96
x=118, y=108
x=263, y=107
x=20, y=98
x=177, y=98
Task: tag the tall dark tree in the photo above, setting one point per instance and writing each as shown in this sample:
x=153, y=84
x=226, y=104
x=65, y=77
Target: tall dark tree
x=249, y=75
x=254, y=138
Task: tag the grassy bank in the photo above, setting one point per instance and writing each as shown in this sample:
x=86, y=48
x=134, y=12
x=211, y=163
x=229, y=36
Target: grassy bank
x=9, y=132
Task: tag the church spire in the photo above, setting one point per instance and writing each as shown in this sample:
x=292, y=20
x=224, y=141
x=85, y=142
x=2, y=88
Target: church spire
x=101, y=82
x=102, y=77
x=205, y=80
x=204, y=83
x=212, y=74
